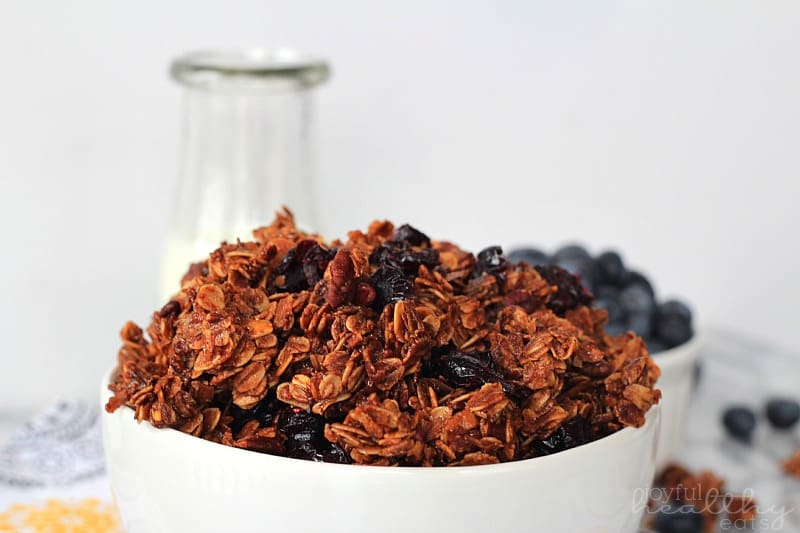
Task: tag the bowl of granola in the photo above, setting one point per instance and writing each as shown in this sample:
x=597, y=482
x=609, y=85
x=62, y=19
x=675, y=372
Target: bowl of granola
x=165, y=481
x=633, y=304
x=312, y=384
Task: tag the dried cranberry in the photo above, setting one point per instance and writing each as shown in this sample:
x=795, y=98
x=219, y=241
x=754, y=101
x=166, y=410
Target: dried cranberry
x=406, y=259
x=411, y=235
x=491, y=261
x=570, y=293
x=391, y=285
x=300, y=426
x=465, y=370
x=171, y=308
x=303, y=266
x=473, y=370
x=572, y=433
x=320, y=451
x=315, y=262
x=305, y=438
x=264, y=412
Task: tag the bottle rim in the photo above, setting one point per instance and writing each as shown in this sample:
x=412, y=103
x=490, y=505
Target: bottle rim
x=249, y=66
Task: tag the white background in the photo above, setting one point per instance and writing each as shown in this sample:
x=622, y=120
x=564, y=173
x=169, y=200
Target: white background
x=669, y=130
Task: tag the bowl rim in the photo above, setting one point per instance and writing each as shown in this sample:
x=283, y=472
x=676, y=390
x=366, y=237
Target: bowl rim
x=592, y=449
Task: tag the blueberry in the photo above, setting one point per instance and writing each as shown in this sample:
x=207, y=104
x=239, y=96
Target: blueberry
x=615, y=312
x=635, y=278
x=637, y=299
x=607, y=292
x=639, y=308
x=640, y=322
x=616, y=328
x=740, y=423
x=783, y=413
x=654, y=346
x=673, y=323
x=532, y=256
x=610, y=268
x=679, y=519
x=570, y=251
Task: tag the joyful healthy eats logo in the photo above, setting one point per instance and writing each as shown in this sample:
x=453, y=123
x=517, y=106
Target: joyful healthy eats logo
x=725, y=507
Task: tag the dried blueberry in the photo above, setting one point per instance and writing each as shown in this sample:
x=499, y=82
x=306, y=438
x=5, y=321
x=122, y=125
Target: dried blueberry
x=740, y=422
x=610, y=268
x=391, y=285
x=572, y=433
x=783, y=413
x=491, y=261
x=570, y=293
x=411, y=235
x=673, y=323
x=675, y=518
x=531, y=256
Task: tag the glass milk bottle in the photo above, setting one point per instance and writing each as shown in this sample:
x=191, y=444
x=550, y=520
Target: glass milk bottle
x=247, y=125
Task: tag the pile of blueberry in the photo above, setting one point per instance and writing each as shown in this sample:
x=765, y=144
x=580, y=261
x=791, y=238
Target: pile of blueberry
x=627, y=295
x=740, y=420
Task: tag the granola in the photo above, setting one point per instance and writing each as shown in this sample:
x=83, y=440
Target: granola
x=384, y=349
x=792, y=464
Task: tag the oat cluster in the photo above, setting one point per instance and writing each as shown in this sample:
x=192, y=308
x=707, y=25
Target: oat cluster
x=385, y=349
x=792, y=464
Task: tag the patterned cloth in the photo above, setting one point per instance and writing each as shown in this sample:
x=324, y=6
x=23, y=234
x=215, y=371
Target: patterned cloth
x=52, y=476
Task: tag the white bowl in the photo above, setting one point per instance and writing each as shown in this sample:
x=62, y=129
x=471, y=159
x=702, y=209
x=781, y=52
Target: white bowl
x=677, y=377
x=166, y=481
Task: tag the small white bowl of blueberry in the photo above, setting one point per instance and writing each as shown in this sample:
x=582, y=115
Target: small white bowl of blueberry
x=630, y=300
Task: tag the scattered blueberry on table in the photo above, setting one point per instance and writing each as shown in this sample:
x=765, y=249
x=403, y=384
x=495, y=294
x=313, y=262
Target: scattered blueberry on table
x=740, y=422
x=626, y=294
x=783, y=413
